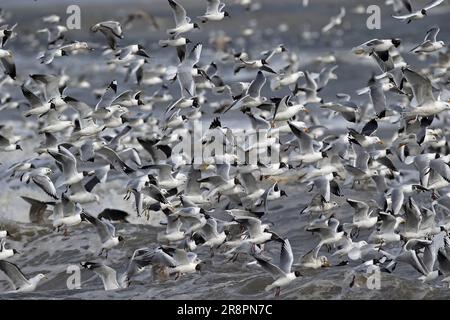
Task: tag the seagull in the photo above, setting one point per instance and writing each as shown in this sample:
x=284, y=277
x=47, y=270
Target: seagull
x=311, y=260
x=211, y=236
x=284, y=110
x=192, y=191
x=419, y=14
x=113, y=281
x=192, y=217
x=348, y=109
x=69, y=165
x=183, y=23
x=214, y=11
x=258, y=232
x=37, y=106
x=105, y=230
x=7, y=145
x=19, y=282
x=399, y=5
x=269, y=54
x=285, y=80
x=140, y=15
x=306, y=142
x=66, y=213
x=184, y=74
x=378, y=96
x=186, y=262
x=362, y=218
x=79, y=194
x=329, y=233
x=40, y=177
x=281, y=273
x=132, y=50
x=54, y=33
x=221, y=183
x=173, y=232
x=444, y=264
x=252, y=96
x=138, y=262
x=260, y=64
x=174, y=42
x=38, y=212
x=107, y=274
x=422, y=88
x=430, y=44
x=165, y=178
x=365, y=138
x=376, y=45
x=311, y=89
x=6, y=33
x=386, y=233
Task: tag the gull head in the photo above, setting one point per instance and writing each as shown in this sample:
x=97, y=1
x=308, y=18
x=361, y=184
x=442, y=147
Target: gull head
x=297, y=274
x=424, y=12
x=199, y=266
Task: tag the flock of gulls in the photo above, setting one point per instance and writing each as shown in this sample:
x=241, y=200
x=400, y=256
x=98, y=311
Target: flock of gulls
x=221, y=203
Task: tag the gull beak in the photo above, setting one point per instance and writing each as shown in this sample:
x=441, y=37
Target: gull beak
x=381, y=142
x=306, y=110
x=326, y=264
